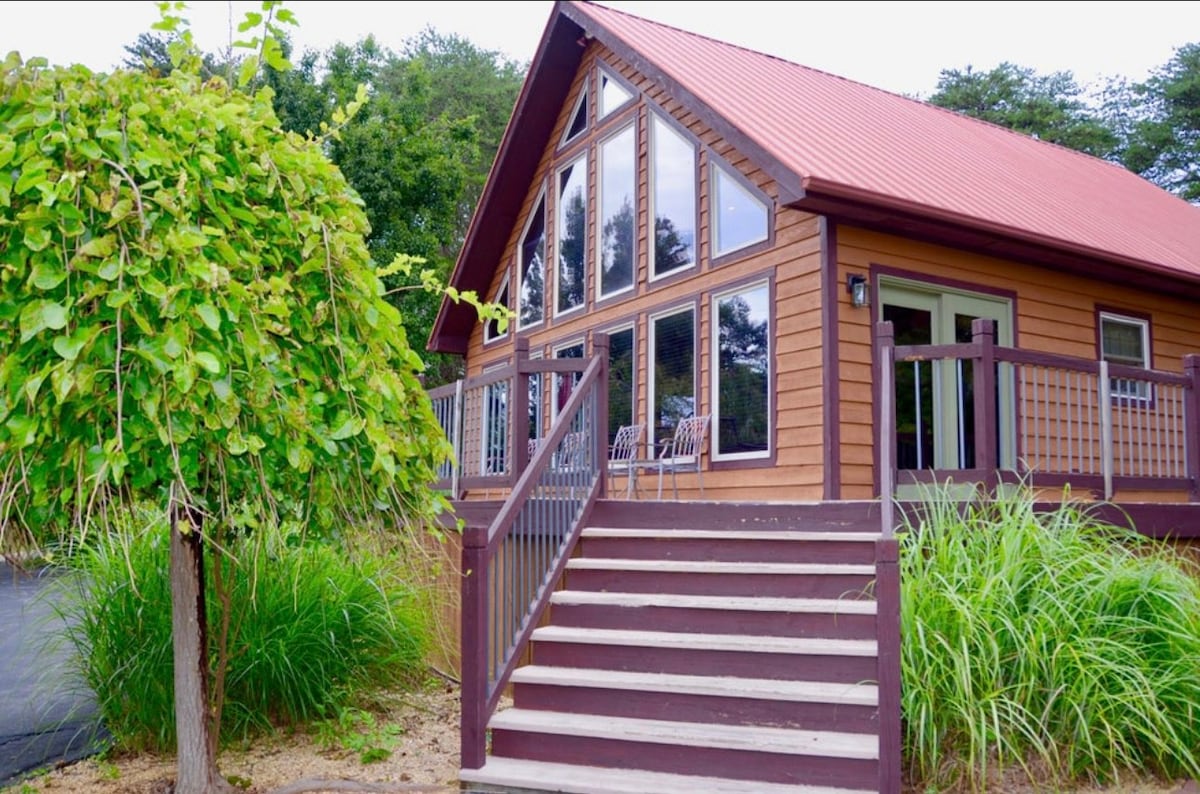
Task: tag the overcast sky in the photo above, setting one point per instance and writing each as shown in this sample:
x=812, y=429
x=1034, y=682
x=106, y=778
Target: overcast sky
x=899, y=46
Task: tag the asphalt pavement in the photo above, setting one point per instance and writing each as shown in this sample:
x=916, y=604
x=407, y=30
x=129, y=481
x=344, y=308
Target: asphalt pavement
x=48, y=715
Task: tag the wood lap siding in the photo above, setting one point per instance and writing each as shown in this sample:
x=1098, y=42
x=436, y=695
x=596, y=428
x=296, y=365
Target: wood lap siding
x=794, y=262
x=1054, y=312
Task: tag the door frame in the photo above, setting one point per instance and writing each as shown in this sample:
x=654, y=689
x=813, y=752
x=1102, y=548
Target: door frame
x=944, y=300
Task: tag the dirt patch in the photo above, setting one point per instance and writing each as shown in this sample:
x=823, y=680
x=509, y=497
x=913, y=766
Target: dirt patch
x=424, y=757
x=421, y=729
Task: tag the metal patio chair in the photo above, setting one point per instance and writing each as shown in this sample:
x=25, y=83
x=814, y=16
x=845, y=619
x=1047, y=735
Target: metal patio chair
x=682, y=452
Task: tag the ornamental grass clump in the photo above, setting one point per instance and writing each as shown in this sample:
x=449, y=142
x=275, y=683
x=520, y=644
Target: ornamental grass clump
x=1047, y=640
x=312, y=629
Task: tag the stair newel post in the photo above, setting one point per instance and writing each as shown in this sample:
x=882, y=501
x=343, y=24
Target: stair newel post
x=983, y=334
x=887, y=603
x=600, y=350
x=520, y=407
x=1191, y=368
x=475, y=618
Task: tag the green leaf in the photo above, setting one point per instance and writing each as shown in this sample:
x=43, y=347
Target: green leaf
x=37, y=316
x=210, y=316
x=252, y=20
x=48, y=274
x=22, y=429
x=109, y=270
x=99, y=246
x=69, y=347
x=349, y=428
x=247, y=71
x=208, y=362
x=37, y=237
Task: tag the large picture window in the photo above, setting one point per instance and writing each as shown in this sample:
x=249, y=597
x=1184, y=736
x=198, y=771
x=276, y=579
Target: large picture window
x=673, y=199
x=742, y=373
x=739, y=218
x=622, y=364
x=618, y=213
x=1126, y=340
x=673, y=364
x=572, y=236
x=532, y=265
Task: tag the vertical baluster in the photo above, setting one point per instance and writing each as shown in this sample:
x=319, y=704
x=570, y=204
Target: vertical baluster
x=919, y=409
x=1091, y=414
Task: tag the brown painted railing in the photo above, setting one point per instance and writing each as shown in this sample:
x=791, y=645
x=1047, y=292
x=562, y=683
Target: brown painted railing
x=1049, y=419
x=511, y=567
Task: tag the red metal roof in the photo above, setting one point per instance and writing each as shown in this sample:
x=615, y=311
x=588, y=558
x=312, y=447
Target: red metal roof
x=845, y=138
x=832, y=142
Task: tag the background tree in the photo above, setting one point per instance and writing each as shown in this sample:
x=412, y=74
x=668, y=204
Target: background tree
x=1051, y=107
x=190, y=316
x=1163, y=136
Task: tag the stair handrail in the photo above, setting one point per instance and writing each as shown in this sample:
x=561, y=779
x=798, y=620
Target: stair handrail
x=541, y=519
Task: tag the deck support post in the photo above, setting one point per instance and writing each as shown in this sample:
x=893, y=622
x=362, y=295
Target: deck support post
x=1191, y=425
x=520, y=408
x=983, y=334
x=600, y=348
x=474, y=673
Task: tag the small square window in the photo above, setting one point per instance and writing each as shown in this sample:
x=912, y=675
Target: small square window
x=1126, y=341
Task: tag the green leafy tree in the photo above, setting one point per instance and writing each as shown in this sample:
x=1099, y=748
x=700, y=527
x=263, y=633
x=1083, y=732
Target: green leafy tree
x=1163, y=136
x=190, y=315
x=1051, y=107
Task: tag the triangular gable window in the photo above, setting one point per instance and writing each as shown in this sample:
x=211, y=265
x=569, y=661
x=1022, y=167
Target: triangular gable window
x=739, y=216
x=579, y=119
x=612, y=94
x=491, y=331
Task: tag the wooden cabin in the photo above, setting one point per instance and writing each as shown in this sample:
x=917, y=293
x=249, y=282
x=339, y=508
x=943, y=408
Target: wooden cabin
x=855, y=292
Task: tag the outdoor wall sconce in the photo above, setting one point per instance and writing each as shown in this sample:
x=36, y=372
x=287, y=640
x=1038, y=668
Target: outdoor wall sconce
x=857, y=287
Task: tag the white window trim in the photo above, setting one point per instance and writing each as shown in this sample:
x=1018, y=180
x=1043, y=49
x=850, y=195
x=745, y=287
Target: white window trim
x=714, y=211
x=651, y=234
x=601, y=74
x=504, y=287
x=558, y=212
x=579, y=100
x=539, y=201
x=651, y=365
x=715, y=369
x=599, y=258
x=1141, y=389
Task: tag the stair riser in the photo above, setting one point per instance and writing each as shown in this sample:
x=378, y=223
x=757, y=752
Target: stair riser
x=720, y=584
x=697, y=708
x=667, y=548
x=751, y=766
x=725, y=516
x=717, y=621
x=777, y=666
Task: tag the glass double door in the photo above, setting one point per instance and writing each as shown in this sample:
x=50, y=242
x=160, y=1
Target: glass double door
x=935, y=400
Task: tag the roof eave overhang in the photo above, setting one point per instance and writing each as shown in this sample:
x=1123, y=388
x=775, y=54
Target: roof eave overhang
x=887, y=213
x=545, y=89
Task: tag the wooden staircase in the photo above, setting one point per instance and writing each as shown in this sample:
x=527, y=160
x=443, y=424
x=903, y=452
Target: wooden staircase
x=701, y=647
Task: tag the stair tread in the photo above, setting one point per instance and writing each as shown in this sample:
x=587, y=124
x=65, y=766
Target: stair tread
x=732, y=603
x=709, y=566
x=708, y=642
x=545, y=776
x=749, y=738
x=717, y=534
x=716, y=686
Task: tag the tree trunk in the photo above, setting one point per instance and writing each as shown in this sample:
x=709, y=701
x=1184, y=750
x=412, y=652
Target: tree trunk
x=196, y=761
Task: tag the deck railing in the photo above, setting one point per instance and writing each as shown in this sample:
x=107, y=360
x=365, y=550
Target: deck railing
x=511, y=566
x=1048, y=419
